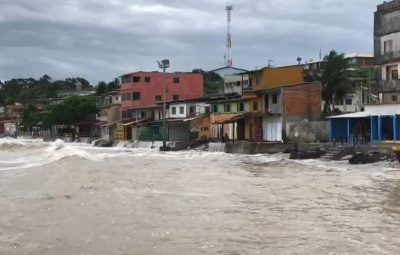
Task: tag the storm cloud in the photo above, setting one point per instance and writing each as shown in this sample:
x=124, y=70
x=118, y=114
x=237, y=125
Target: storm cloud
x=102, y=39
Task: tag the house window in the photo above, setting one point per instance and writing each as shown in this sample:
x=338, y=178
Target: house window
x=181, y=110
x=274, y=98
x=227, y=108
x=238, y=83
x=124, y=97
x=395, y=74
x=338, y=101
x=349, y=101
x=215, y=108
x=255, y=106
x=207, y=109
x=192, y=109
x=135, y=95
x=245, y=83
x=143, y=114
x=241, y=107
x=136, y=78
x=258, y=80
x=394, y=98
x=124, y=114
x=128, y=96
x=388, y=46
x=126, y=79
x=147, y=79
x=129, y=113
x=173, y=110
x=176, y=97
x=158, y=98
x=176, y=79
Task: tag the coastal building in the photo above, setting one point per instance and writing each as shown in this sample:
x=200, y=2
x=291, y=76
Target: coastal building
x=387, y=50
x=232, y=117
x=188, y=121
x=236, y=83
x=141, y=97
x=284, y=97
x=109, y=116
x=376, y=124
x=275, y=97
x=235, y=79
x=228, y=70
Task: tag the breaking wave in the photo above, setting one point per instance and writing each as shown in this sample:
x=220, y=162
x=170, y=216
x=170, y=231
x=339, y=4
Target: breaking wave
x=21, y=154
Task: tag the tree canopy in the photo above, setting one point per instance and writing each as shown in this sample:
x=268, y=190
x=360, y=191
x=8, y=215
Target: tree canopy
x=103, y=87
x=334, y=79
x=73, y=109
x=30, y=90
x=212, y=82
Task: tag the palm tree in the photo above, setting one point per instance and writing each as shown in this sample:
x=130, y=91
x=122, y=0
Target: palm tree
x=334, y=79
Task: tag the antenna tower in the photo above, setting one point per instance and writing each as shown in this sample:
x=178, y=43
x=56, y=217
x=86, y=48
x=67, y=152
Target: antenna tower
x=228, y=57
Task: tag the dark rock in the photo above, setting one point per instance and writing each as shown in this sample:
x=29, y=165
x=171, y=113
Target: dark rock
x=313, y=154
x=363, y=158
x=291, y=150
x=103, y=143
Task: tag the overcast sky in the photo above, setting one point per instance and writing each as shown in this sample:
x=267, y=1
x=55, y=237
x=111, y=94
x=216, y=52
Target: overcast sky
x=102, y=39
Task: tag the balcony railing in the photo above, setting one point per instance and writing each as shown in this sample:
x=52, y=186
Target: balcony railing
x=387, y=57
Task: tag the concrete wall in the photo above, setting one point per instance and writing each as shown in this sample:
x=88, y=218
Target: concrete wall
x=305, y=131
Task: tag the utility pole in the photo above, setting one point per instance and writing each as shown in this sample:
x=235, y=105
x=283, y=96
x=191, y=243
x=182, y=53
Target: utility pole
x=164, y=64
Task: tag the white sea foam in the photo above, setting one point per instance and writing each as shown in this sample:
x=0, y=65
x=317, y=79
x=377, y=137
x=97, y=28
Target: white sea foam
x=34, y=153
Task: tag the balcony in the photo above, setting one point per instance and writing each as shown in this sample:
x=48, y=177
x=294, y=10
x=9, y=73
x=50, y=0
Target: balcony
x=390, y=85
x=387, y=57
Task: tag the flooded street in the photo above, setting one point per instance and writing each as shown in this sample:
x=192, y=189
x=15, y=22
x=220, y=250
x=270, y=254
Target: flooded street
x=61, y=198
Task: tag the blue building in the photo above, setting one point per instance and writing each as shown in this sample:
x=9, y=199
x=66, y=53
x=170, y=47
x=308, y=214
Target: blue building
x=377, y=123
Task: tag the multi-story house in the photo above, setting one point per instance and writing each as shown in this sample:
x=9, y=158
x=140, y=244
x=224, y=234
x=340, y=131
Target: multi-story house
x=235, y=79
x=387, y=50
x=236, y=83
x=284, y=97
x=275, y=97
x=142, y=94
x=188, y=120
x=109, y=115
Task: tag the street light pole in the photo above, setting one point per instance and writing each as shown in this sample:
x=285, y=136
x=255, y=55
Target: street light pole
x=164, y=64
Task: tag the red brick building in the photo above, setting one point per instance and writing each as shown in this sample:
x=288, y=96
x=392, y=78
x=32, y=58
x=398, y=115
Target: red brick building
x=145, y=89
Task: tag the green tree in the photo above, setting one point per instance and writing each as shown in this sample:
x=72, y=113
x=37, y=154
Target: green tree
x=30, y=117
x=213, y=83
x=72, y=110
x=334, y=79
x=101, y=88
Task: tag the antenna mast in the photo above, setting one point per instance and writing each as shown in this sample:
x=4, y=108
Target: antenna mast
x=228, y=57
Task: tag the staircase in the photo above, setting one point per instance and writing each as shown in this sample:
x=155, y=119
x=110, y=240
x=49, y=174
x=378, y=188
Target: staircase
x=335, y=153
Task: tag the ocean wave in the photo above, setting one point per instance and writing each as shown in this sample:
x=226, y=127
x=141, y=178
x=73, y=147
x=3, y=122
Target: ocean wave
x=30, y=153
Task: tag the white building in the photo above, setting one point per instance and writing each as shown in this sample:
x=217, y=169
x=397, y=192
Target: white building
x=387, y=49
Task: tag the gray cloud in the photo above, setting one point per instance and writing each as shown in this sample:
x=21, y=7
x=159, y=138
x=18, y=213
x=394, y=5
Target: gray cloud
x=101, y=39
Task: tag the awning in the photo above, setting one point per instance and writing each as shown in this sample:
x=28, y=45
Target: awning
x=135, y=122
x=100, y=123
x=351, y=115
x=110, y=124
x=225, y=118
